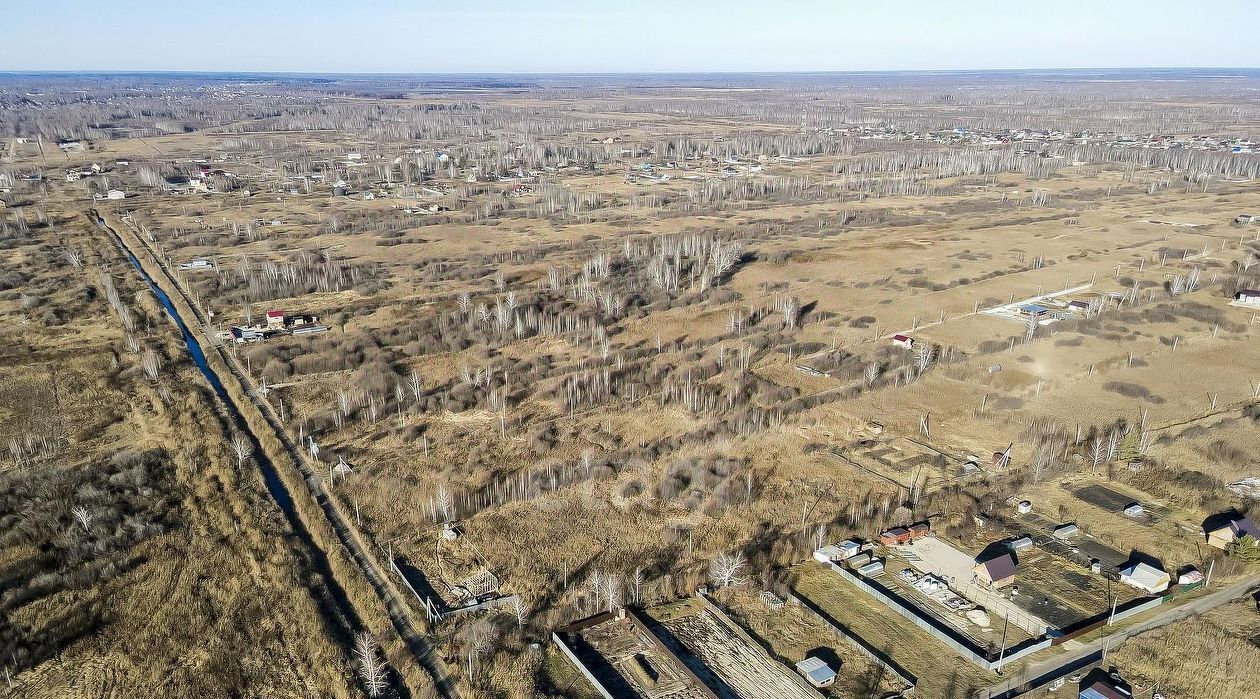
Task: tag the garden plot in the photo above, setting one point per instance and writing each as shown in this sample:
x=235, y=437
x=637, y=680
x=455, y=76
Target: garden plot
x=1064, y=594
x=742, y=670
x=1113, y=500
x=902, y=460
x=1081, y=549
x=620, y=654
x=791, y=632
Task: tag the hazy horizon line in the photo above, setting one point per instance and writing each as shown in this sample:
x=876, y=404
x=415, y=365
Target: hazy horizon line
x=260, y=71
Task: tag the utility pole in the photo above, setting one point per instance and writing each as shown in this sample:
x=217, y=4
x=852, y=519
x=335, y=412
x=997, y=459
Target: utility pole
x=1002, y=651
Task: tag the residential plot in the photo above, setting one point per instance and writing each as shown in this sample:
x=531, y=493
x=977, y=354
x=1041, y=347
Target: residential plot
x=742, y=669
x=792, y=633
x=940, y=672
x=628, y=660
x=945, y=563
x=1113, y=500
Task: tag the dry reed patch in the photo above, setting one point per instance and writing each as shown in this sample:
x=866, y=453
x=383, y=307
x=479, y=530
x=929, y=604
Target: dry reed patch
x=1202, y=657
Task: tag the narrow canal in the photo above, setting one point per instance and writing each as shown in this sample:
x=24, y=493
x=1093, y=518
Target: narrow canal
x=338, y=611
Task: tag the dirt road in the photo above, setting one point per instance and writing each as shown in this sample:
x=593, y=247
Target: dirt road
x=400, y=616
x=1040, y=673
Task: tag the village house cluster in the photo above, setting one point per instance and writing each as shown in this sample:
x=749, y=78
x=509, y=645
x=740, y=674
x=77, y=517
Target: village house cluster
x=278, y=323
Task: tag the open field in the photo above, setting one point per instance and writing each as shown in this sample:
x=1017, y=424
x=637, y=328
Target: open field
x=1197, y=657
x=585, y=347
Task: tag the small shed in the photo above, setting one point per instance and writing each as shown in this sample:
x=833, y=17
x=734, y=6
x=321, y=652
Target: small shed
x=1133, y=510
x=1190, y=577
x=829, y=553
x=1106, y=687
x=1251, y=297
x=1024, y=507
x=818, y=672
x=1078, y=305
x=872, y=569
x=1019, y=544
x=903, y=341
x=1066, y=531
x=1235, y=528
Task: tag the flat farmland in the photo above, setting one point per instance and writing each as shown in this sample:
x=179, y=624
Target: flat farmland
x=592, y=346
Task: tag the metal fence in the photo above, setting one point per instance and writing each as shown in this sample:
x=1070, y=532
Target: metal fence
x=949, y=636
x=854, y=640
x=568, y=653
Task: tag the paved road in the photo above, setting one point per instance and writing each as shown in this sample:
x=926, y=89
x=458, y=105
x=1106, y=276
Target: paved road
x=1044, y=671
x=399, y=614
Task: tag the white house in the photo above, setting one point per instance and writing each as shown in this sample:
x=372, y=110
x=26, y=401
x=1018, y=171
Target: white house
x=115, y=194
x=1251, y=297
x=903, y=341
x=817, y=671
x=838, y=552
x=1144, y=576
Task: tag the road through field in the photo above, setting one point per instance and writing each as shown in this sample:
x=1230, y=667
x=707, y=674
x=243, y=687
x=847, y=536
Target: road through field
x=1039, y=673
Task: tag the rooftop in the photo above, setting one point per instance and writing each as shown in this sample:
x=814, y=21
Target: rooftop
x=999, y=568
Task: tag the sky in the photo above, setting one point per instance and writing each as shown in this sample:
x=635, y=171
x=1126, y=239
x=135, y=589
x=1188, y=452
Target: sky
x=613, y=36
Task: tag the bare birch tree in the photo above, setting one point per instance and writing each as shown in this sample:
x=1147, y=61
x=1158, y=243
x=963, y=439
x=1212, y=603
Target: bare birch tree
x=727, y=569
x=82, y=516
x=371, y=666
x=241, y=448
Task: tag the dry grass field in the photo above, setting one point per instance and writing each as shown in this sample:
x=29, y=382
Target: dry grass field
x=582, y=340
x=137, y=557
x=1206, y=656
